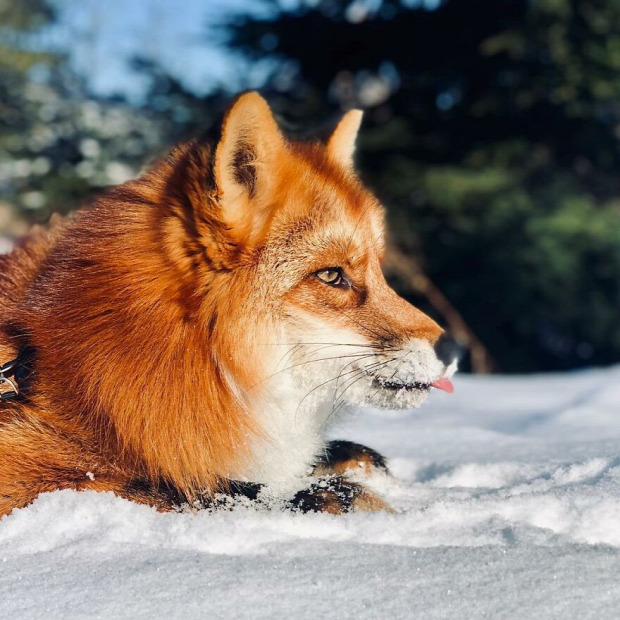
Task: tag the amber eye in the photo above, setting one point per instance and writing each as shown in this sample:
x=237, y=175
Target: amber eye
x=332, y=276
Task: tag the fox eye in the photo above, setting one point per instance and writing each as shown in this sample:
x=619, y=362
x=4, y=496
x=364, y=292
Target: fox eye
x=332, y=276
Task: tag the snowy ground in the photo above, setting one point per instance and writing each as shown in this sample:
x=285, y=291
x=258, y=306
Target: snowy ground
x=508, y=498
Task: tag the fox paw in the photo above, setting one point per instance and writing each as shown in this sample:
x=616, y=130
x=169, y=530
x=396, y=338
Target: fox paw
x=336, y=495
x=348, y=458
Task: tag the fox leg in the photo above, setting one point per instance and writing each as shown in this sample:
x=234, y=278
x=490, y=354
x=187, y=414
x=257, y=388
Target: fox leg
x=165, y=497
x=337, y=495
x=331, y=494
x=343, y=458
x=36, y=457
x=334, y=492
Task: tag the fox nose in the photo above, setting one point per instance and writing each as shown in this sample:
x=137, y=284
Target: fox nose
x=448, y=349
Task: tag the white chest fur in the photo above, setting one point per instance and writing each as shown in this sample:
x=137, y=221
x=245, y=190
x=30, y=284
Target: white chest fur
x=292, y=418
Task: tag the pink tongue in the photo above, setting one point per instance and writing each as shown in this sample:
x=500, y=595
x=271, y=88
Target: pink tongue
x=443, y=384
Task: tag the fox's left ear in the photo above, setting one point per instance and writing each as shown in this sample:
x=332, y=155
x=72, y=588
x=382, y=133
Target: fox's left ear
x=248, y=150
x=341, y=144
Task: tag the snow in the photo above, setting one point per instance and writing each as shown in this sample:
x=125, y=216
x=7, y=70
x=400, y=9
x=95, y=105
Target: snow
x=507, y=498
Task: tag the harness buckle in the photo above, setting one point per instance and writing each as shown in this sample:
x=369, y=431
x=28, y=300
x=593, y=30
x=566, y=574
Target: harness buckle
x=8, y=370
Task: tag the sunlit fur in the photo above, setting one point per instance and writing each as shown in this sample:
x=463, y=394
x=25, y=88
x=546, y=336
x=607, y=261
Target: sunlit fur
x=180, y=333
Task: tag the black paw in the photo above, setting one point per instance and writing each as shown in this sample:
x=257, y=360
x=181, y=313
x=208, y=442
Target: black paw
x=348, y=457
x=334, y=495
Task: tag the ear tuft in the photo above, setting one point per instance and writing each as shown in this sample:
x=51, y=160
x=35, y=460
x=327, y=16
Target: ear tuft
x=341, y=144
x=242, y=165
x=248, y=149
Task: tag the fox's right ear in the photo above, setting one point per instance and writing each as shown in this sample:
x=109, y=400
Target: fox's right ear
x=248, y=149
x=341, y=144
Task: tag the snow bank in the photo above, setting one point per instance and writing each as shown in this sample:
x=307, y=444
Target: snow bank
x=508, y=505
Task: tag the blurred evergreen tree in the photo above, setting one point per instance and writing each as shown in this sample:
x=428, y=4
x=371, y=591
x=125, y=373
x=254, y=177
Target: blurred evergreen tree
x=58, y=145
x=17, y=22
x=492, y=135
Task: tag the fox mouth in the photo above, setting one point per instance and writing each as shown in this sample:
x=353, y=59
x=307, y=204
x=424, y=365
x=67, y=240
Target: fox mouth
x=416, y=386
x=397, y=386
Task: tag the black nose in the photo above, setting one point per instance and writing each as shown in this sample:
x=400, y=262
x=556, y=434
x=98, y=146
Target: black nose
x=448, y=349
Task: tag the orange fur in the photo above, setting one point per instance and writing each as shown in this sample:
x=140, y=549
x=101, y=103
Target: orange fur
x=147, y=311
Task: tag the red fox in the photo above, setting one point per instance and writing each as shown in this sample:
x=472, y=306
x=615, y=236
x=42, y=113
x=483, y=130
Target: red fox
x=191, y=334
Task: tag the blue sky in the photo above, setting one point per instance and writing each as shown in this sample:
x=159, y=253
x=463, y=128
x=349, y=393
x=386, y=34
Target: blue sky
x=180, y=34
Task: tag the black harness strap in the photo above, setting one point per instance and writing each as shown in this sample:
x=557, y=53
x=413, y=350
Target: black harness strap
x=8, y=380
x=16, y=375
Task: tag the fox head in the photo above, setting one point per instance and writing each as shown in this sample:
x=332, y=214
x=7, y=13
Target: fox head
x=294, y=244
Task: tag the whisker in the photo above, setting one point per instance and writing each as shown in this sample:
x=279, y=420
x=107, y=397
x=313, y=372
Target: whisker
x=336, y=378
x=338, y=402
x=324, y=345
x=341, y=403
x=335, y=344
x=362, y=372
x=288, y=355
x=399, y=362
x=311, y=361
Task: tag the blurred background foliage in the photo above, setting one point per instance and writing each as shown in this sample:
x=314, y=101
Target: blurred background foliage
x=491, y=134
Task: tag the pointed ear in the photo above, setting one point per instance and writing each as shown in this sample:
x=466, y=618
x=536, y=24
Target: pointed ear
x=249, y=146
x=341, y=144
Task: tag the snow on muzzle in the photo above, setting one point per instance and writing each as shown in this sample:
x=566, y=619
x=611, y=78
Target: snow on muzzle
x=402, y=379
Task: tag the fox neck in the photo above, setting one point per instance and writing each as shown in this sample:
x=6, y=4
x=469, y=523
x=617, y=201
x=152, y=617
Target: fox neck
x=293, y=417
